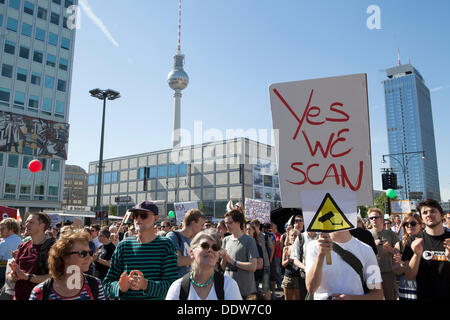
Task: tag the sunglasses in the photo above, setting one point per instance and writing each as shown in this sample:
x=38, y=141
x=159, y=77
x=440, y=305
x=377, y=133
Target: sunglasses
x=83, y=253
x=206, y=246
x=386, y=223
x=142, y=214
x=298, y=220
x=374, y=218
x=407, y=224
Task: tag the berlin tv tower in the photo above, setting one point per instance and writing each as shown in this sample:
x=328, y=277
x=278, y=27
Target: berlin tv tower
x=178, y=81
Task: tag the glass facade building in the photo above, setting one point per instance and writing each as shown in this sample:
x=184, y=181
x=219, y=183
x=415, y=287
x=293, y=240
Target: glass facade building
x=209, y=173
x=410, y=131
x=36, y=56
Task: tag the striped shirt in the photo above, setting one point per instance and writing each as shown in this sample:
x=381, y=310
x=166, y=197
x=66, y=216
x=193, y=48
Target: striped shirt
x=157, y=260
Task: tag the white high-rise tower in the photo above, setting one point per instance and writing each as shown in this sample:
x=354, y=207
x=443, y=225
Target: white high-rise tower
x=178, y=81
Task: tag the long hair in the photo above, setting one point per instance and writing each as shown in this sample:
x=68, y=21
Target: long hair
x=419, y=220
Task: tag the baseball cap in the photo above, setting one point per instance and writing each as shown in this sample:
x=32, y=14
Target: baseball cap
x=146, y=206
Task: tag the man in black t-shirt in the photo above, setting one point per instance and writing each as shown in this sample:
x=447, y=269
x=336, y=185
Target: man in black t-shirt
x=429, y=255
x=105, y=252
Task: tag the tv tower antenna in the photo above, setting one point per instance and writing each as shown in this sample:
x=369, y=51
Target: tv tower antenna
x=178, y=80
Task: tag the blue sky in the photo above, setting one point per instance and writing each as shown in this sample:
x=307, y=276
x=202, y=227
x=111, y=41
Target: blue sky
x=234, y=50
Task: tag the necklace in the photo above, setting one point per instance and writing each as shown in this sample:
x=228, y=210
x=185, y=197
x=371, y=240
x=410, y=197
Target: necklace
x=200, y=285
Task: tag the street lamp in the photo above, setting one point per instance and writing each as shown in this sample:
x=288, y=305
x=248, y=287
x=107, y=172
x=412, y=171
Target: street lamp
x=102, y=95
x=403, y=165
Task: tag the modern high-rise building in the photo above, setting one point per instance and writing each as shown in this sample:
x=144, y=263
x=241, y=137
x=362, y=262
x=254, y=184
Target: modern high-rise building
x=75, y=186
x=36, y=56
x=411, y=133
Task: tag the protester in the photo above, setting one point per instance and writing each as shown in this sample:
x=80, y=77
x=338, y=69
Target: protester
x=9, y=229
x=68, y=260
x=142, y=267
x=239, y=254
x=95, y=229
x=222, y=229
x=30, y=265
x=275, y=267
x=447, y=221
x=397, y=226
x=429, y=254
x=103, y=258
x=7, y=291
x=387, y=224
x=251, y=232
x=364, y=235
x=407, y=289
x=290, y=282
x=340, y=281
x=385, y=241
x=93, y=247
x=192, y=224
x=203, y=283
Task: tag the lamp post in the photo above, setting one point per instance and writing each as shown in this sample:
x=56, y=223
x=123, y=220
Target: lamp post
x=102, y=95
x=403, y=164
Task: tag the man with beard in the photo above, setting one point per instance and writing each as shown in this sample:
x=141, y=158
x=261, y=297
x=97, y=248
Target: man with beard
x=143, y=266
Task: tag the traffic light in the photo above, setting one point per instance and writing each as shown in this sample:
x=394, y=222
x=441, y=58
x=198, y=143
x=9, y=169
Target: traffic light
x=389, y=180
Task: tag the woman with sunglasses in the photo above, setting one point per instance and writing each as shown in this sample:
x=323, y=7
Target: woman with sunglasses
x=200, y=283
x=412, y=226
x=68, y=260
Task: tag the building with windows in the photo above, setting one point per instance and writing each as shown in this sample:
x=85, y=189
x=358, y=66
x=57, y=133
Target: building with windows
x=209, y=173
x=411, y=131
x=75, y=186
x=36, y=56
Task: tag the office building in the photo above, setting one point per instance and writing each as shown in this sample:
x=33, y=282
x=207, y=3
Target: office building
x=75, y=186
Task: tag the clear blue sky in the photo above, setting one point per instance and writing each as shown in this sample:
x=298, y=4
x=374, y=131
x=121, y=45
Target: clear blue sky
x=234, y=50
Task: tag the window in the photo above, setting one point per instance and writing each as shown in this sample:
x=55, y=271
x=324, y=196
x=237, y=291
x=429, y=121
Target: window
x=13, y=161
x=14, y=4
x=38, y=56
x=27, y=29
x=162, y=171
x=36, y=78
x=47, y=105
x=65, y=43
x=10, y=186
x=28, y=7
x=182, y=169
x=40, y=34
x=53, y=190
x=53, y=38
x=5, y=94
x=56, y=1
x=49, y=82
x=7, y=70
x=152, y=172
x=51, y=60
x=26, y=160
x=59, y=107
x=1, y=20
x=24, y=52
x=19, y=98
x=62, y=85
x=92, y=179
x=54, y=18
x=172, y=170
x=33, y=102
x=42, y=13
x=63, y=64
x=12, y=24
x=54, y=166
x=68, y=3
x=1, y=159
x=22, y=74
x=10, y=47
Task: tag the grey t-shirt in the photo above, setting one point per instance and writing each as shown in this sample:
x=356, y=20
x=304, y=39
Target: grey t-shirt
x=242, y=249
x=385, y=258
x=184, y=249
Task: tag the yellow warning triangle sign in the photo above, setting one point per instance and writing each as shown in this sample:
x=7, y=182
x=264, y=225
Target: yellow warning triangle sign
x=329, y=217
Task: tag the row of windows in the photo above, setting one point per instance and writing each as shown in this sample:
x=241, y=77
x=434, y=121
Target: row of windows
x=25, y=188
x=13, y=162
x=22, y=75
x=33, y=102
x=39, y=34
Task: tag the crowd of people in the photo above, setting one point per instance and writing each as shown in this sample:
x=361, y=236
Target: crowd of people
x=404, y=257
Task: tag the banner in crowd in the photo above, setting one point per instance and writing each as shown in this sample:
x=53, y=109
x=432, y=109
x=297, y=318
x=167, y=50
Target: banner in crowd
x=6, y=212
x=400, y=206
x=54, y=219
x=182, y=207
x=323, y=137
x=257, y=209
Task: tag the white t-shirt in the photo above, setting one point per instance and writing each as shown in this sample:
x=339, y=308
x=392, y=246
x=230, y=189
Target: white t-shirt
x=340, y=277
x=230, y=288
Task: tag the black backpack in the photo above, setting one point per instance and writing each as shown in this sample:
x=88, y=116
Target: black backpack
x=218, y=286
x=92, y=283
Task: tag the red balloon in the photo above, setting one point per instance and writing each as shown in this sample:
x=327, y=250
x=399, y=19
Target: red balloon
x=35, y=166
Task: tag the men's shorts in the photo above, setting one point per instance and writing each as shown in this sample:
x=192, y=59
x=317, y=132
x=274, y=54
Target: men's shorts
x=266, y=279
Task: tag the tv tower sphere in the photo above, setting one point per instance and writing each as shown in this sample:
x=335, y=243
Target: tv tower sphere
x=178, y=79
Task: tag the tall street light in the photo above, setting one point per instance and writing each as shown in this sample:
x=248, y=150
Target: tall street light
x=403, y=165
x=102, y=95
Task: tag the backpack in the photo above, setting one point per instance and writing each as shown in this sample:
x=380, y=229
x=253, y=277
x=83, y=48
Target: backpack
x=43, y=256
x=92, y=283
x=218, y=286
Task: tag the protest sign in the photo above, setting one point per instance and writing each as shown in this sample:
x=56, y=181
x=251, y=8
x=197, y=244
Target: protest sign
x=323, y=137
x=257, y=209
x=182, y=207
x=400, y=206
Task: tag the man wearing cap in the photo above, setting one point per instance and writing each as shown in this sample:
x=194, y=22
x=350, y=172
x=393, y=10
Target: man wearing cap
x=143, y=266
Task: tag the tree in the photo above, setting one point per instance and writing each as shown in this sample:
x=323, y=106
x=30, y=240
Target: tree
x=363, y=211
x=112, y=210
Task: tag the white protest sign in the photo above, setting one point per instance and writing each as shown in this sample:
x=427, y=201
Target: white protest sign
x=329, y=210
x=182, y=207
x=400, y=206
x=257, y=209
x=324, y=137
